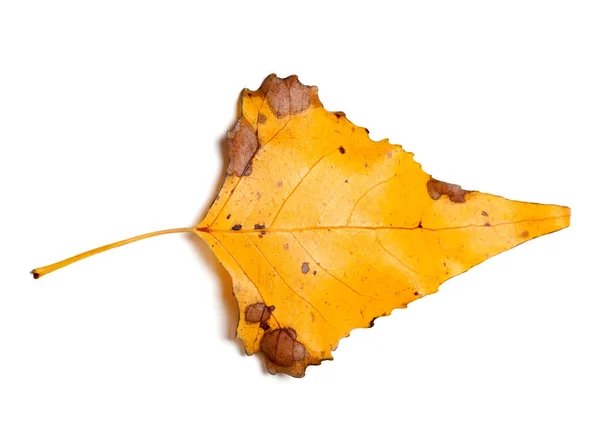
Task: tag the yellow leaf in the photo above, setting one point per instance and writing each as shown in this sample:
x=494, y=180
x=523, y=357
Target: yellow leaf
x=323, y=230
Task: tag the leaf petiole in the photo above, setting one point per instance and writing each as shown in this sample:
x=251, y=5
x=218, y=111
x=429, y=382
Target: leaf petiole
x=39, y=272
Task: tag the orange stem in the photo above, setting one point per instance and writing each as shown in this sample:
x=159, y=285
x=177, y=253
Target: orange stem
x=39, y=272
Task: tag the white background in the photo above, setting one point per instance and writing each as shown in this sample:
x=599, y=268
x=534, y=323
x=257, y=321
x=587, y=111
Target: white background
x=111, y=120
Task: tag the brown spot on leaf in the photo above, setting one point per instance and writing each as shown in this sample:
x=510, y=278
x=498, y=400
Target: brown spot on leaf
x=416, y=293
x=487, y=223
x=228, y=216
x=305, y=267
x=261, y=118
x=314, y=272
x=281, y=347
x=236, y=227
x=524, y=234
x=483, y=213
x=259, y=226
x=342, y=150
x=287, y=96
x=259, y=312
x=243, y=144
x=339, y=114
x=437, y=188
x=279, y=184
x=286, y=246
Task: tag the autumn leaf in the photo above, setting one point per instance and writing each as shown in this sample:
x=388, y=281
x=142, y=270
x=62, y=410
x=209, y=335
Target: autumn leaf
x=323, y=230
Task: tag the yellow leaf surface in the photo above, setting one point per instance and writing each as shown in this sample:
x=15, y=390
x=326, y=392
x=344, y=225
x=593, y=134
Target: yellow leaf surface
x=323, y=230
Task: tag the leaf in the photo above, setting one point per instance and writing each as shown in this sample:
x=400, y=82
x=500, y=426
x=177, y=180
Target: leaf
x=323, y=230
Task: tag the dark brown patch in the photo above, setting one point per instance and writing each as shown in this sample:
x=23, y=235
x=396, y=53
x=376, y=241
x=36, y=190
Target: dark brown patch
x=372, y=322
x=281, y=347
x=483, y=213
x=367, y=130
x=287, y=96
x=416, y=293
x=261, y=118
x=314, y=272
x=420, y=225
x=524, y=234
x=286, y=246
x=305, y=267
x=437, y=188
x=279, y=184
x=342, y=150
x=259, y=226
x=228, y=216
x=259, y=312
x=243, y=144
x=35, y=275
x=487, y=223
x=339, y=114
x=236, y=227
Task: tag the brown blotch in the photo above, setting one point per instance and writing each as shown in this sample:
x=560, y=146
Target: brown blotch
x=286, y=246
x=259, y=226
x=259, y=312
x=416, y=293
x=261, y=118
x=339, y=114
x=281, y=347
x=236, y=227
x=437, y=188
x=228, y=216
x=243, y=144
x=483, y=213
x=342, y=150
x=287, y=96
x=314, y=272
x=305, y=267
x=524, y=234
x=279, y=184
x=487, y=223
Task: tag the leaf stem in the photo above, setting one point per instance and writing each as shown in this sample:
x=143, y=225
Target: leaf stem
x=39, y=272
